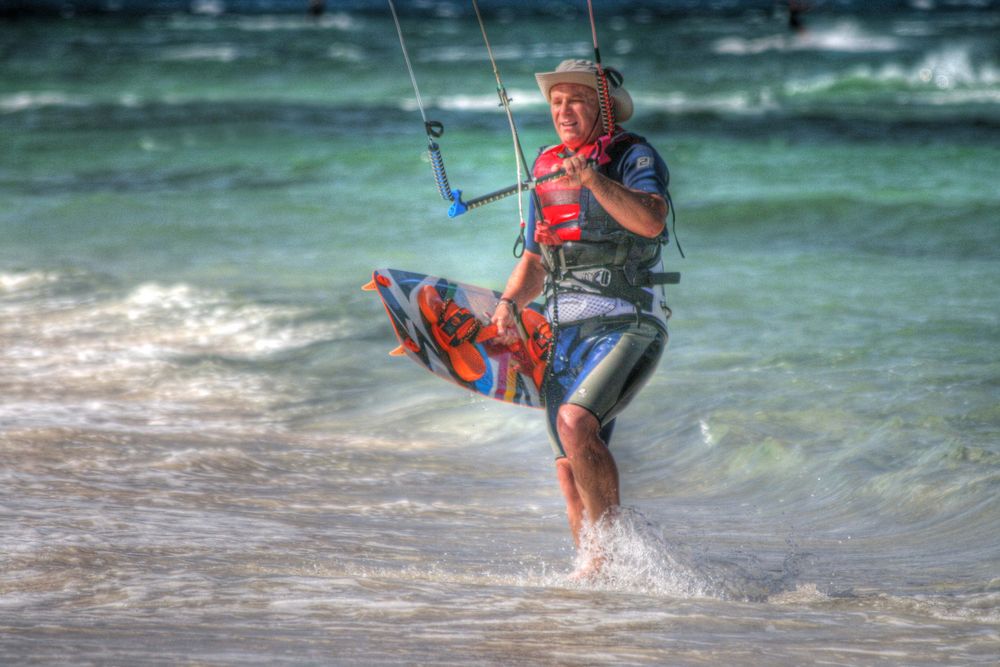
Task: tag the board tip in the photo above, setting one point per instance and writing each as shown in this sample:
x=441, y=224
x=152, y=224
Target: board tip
x=378, y=280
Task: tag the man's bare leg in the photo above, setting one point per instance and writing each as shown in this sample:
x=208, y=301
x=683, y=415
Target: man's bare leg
x=574, y=504
x=592, y=471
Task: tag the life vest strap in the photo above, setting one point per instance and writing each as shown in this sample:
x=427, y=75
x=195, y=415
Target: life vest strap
x=620, y=283
x=666, y=278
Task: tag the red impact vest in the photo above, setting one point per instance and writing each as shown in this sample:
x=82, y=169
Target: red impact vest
x=589, y=249
x=560, y=202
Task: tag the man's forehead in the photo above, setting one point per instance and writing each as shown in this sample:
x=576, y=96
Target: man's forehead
x=572, y=90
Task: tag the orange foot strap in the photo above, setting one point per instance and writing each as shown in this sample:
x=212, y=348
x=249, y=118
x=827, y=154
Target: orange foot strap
x=455, y=329
x=532, y=353
x=539, y=334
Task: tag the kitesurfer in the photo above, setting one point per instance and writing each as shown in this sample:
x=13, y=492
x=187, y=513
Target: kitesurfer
x=317, y=7
x=796, y=10
x=596, y=245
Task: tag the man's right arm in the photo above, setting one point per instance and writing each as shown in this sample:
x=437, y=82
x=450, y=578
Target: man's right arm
x=525, y=283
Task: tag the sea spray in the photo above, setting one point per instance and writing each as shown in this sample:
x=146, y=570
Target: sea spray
x=637, y=556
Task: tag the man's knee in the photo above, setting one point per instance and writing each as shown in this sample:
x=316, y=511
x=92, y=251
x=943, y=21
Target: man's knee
x=577, y=427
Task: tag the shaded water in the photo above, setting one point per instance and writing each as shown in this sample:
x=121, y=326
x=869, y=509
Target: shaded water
x=207, y=456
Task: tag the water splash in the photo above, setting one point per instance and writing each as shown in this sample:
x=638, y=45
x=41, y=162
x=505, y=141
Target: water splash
x=638, y=557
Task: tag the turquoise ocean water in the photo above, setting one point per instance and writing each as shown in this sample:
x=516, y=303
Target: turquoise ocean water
x=207, y=456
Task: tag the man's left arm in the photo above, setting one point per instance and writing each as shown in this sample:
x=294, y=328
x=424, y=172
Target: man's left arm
x=643, y=213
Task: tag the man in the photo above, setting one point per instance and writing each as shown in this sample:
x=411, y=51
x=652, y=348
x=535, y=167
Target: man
x=596, y=244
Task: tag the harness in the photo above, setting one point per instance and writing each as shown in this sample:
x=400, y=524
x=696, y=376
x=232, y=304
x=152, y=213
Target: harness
x=584, y=248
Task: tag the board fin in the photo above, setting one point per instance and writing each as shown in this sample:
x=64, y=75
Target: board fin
x=377, y=280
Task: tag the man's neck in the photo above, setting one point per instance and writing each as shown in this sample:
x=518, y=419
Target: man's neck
x=594, y=136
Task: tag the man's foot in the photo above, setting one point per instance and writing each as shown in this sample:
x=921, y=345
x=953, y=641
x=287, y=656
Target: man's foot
x=587, y=572
x=596, y=549
x=591, y=564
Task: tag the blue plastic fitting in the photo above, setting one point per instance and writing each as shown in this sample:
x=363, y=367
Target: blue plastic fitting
x=458, y=206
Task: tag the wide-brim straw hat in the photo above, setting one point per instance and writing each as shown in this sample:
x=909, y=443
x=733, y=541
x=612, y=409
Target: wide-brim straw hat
x=584, y=72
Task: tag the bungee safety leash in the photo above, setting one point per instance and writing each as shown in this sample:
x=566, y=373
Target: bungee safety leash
x=433, y=128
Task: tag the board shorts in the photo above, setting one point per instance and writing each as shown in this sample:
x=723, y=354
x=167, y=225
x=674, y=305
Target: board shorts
x=600, y=365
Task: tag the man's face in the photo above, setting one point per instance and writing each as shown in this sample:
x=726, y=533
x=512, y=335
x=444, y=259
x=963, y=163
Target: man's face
x=575, y=113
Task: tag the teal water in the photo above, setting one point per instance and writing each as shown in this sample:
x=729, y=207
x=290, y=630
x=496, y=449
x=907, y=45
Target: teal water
x=205, y=444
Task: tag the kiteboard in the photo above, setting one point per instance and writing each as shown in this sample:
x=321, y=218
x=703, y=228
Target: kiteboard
x=445, y=327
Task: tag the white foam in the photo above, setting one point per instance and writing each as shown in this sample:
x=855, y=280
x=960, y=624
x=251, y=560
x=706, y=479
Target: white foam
x=340, y=21
x=844, y=36
x=947, y=70
x=189, y=320
x=803, y=594
x=211, y=458
x=746, y=103
x=20, y=281
x=135, y=352
x=346, y=53
x=484, y=102
x=467, y=102
x=222, y=53
x=502, y=52
x=952, y=67
x=208, y=7
x=210, y=20
x=637, y=557
x=30, y=100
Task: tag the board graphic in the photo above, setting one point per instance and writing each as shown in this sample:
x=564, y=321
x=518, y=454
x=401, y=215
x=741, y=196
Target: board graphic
x=506, y=372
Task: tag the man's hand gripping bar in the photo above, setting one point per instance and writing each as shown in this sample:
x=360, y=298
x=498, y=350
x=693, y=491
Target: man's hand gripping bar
x=458, y=207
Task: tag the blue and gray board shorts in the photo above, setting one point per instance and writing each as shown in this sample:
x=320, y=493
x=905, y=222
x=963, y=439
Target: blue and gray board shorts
x=601, y=366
